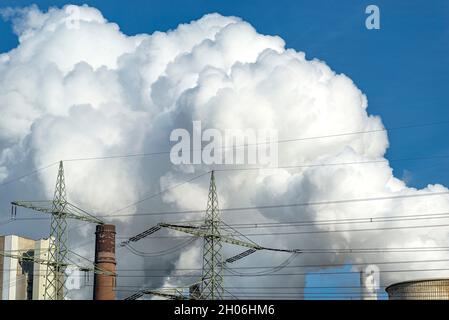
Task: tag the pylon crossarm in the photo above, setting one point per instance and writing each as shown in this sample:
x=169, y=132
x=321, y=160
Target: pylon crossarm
x=199, y=232
x=141, y=235
x=83, y=215
x=177, y=295
x=239, y=256
x=173, y=296
x=47, y=206
x=283, y=250
x=24, y=257
x=43, y=261
x=135, y=296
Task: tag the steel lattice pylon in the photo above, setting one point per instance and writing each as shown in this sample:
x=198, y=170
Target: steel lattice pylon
x=212, y=275
x=55, y=275
x=60, y=210
x=211, y=284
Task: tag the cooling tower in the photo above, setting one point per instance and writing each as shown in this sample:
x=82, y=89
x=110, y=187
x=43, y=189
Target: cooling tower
x=431, y=289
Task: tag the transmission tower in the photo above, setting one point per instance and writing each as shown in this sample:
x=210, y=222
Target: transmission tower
x=60, y=210
x=212, y=274
x=55, y=276
x=211, y=231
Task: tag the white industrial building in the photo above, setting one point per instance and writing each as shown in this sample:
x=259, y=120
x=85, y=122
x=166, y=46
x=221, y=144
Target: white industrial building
x=22, y=279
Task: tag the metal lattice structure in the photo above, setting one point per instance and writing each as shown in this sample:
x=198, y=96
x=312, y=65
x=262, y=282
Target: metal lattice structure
x=61, y=210
x=212, y=274
x=211, y=284
x=55, y=275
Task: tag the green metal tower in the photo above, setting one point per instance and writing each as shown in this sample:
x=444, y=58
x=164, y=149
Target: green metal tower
x=212, y=275
x=55, y=275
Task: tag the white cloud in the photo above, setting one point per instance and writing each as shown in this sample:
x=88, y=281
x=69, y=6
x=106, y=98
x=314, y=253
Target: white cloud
x=94, y=91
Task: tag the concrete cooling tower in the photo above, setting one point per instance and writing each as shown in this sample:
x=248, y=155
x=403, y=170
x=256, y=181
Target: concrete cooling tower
x=432, y=289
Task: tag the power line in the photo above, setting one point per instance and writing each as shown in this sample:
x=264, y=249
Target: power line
x=281, y=167
x=360, y=289
x=330, y=164
x=374, y=250
x=305, y=223
x=27, y=174
x=337, y=201
x=247, y=287
x=171, y=288
x=346, y=230
x=255, y=168
x=284, y=274
x=310, y=223
x=161, y=252
x=303, y=204
x=238, y=169
x=279, y=141
x=162, y=191
x=260, y=143
x=305, y=266
x=318, y=231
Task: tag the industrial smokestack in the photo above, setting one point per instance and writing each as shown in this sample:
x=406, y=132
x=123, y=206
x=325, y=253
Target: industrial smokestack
x=104, y=282
x=369, y=282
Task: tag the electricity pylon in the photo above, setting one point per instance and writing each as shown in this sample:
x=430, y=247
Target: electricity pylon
x=60, y=210
x=212, y=274
x=55, y=279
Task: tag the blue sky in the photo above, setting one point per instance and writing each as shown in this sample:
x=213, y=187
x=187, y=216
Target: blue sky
x=403, y=68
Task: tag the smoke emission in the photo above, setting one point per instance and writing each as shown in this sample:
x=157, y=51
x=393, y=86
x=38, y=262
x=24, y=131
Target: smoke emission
x=92, y=91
